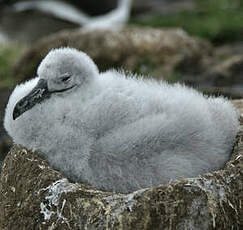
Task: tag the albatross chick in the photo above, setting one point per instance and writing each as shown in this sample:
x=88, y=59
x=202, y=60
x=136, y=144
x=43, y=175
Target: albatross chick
x=118, y=132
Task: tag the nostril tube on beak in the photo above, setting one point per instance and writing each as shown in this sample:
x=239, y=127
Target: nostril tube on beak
x=23, y=103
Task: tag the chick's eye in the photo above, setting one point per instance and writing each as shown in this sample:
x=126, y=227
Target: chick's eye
x=65, y=77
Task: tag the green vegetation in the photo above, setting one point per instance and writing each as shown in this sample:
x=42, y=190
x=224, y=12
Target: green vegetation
x=220, y=21
x=8, y=57
x=173, y=77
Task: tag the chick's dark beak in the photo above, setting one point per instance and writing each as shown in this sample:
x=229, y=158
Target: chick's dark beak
x=37, y=95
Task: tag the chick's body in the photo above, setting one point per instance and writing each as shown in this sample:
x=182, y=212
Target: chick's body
x=122, y=133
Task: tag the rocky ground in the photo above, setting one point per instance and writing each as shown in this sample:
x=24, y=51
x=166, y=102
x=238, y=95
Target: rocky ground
x=170, y=54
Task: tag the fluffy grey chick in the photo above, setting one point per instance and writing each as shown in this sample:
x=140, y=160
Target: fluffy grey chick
x=118, y=132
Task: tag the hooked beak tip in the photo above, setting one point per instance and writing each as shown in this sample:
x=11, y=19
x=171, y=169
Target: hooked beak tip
x=16, y=112
x=14, y=116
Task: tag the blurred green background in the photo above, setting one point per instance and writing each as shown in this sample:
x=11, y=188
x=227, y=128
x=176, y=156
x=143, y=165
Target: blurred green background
x=220, y=21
